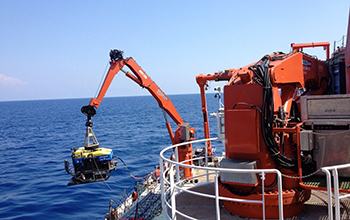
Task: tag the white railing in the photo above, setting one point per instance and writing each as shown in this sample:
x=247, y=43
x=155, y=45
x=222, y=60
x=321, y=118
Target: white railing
x=175, y=185
x=337, y=197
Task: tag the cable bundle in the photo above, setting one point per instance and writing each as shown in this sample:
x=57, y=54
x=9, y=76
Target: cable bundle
x=261, y=71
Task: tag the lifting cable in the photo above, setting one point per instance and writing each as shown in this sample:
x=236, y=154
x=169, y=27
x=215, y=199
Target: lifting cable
x=102, y=176
x=103, y=76
x=138, y=178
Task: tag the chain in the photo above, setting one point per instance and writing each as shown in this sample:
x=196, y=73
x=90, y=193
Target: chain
x=331, y=134
x=326, y=134
x=300, y=177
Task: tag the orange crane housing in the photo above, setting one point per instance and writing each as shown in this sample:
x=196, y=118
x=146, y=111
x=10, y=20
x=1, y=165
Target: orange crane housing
x=262, y=127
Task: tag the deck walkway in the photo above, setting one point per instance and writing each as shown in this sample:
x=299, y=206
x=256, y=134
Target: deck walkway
x=204, y=208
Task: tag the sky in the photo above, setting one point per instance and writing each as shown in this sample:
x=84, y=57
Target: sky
x=59, y=49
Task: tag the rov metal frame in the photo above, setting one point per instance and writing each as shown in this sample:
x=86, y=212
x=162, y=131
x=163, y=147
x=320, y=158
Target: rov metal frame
x=175, y=185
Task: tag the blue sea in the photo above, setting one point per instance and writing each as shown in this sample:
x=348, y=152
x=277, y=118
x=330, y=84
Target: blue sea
x=36, y=137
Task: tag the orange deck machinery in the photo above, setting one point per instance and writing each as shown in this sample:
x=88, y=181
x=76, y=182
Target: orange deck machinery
x=265, y=128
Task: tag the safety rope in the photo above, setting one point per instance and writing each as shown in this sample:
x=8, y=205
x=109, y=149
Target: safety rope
x=138, y=178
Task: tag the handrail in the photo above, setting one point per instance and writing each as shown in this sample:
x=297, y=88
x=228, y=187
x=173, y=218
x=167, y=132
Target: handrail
x=175, y=185
x=337, y=198
x=325, y=46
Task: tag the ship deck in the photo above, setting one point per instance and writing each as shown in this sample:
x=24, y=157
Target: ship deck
x=204, y=208
x=199, y=205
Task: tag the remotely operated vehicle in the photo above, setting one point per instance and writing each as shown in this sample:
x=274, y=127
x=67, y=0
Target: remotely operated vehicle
x=92, y=163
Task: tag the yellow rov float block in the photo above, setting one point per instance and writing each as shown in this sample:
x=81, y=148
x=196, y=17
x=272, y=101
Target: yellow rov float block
x=102, y=154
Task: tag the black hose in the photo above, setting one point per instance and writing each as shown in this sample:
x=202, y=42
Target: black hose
x=261, y=71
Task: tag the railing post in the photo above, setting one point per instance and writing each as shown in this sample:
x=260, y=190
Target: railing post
x=161, y=165
x=217, y=196
x=336, y=193
x=280, y=197
x=172, y=193
x=177, y=166
x=263, y=192
x=206, y=160
x=216, y=171
x=329, y=193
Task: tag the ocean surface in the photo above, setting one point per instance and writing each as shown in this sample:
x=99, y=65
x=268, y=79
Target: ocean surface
x=36, y=137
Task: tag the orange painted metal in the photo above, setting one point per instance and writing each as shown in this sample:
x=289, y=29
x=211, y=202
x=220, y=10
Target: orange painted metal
x=300, y=171
x=139, y=76
x=287, y=130
x=143, y=80
x=277, y=98
x=287, y=94
x=281, y=70
x=293, y=203
x=325, y=46
x=243, y=98
x=299, y=70
x=202, y=84
x=242, y=122
x=168, y=126
x=243, y=139
x=202, y=81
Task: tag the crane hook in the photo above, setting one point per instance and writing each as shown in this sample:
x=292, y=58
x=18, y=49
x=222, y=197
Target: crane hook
x=89, y=111
x=116, y=54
